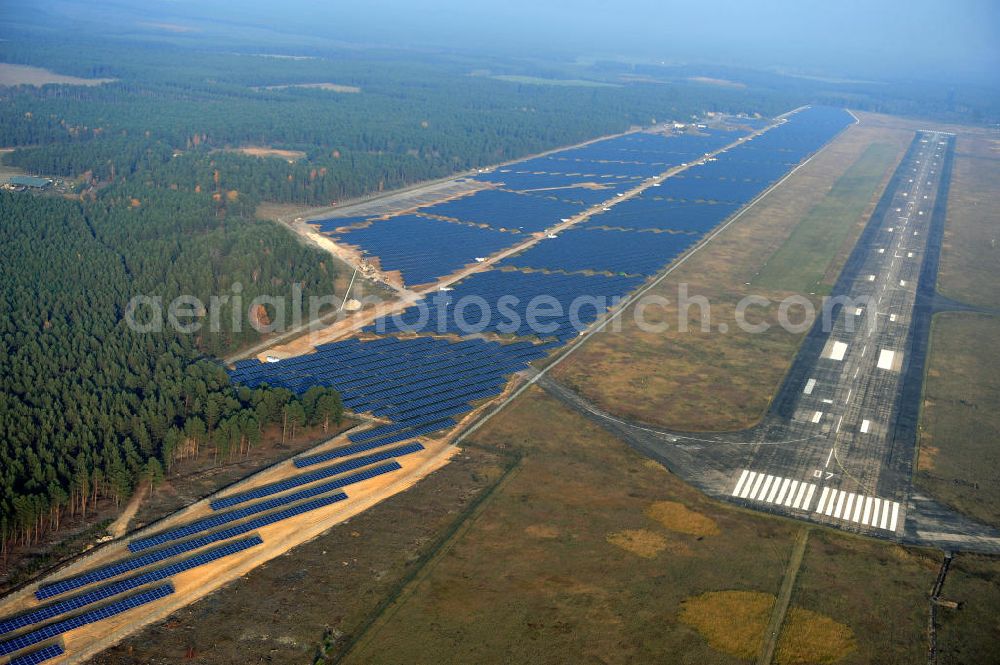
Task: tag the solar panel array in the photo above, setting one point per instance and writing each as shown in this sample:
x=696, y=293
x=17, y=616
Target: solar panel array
x=617, y=163
x=221, y=519
x=322, y=474
x=414, y=381
x=691, y=203
x=115, y=588
x=419, y=384
x=424, y=249
x=622, y=252
x=39, y=655
x=137, y=562
x=512, y=303
x=652, y=211
x=93, y=616
x=503, y=209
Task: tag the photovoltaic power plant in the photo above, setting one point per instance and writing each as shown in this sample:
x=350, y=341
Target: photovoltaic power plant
x=505, y=209
x=324, y=473
x=107, y=591
x=536, y=300
x=552, y=295
x=416, y=381
x=93, y=616
x=511, y=303
x=424, y=249
x=39, y=655
x=138, y=562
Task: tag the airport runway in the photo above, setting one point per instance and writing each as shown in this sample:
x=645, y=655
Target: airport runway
x=839, y=406
x=838, y=445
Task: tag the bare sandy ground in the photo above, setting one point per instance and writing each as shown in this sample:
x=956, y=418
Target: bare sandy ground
x=36, y=76
x=119, y=527
x=329, y=87
x=263, y=151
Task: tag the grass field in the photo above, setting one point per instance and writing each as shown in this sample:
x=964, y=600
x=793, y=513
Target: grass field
x=702, y=380
x=970, y=255
x=972, y=633
x=589, y=553
x=802, y=264
x=878, y=590
x=959, y=458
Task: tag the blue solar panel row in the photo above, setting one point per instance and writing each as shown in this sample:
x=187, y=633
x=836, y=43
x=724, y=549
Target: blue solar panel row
x=93, y=616
x=220, y=519
x=39, y=655
x=424, y=249
x=655, y=212
x=630, y=252
x=433, y=418
x=502, y=209
x=321, y=474
x=399, y=379
x=406, y=429
x=115, y=588
x=135, y=563
x=575, y=299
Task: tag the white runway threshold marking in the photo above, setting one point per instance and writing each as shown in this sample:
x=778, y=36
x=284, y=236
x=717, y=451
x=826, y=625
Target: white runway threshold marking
x=867, y=510
x=838, y=351
x=774, y=489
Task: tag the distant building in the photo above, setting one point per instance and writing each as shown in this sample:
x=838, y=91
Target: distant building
x=28, y=181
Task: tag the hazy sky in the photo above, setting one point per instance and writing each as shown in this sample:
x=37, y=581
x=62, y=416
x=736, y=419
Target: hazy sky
x=913, y=39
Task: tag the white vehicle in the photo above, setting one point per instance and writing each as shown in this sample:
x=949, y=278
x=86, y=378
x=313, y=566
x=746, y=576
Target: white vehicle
x=480, y=259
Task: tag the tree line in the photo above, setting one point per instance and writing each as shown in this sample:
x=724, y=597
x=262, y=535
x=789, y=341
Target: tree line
x=89, y=407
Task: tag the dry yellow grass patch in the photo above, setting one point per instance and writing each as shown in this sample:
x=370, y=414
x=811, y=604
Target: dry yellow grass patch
x=730, y=621
x=927, y=456
x=655, y=466
x=542, y=531
x=678, y=517
x=640, y=542
x=809, y=637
